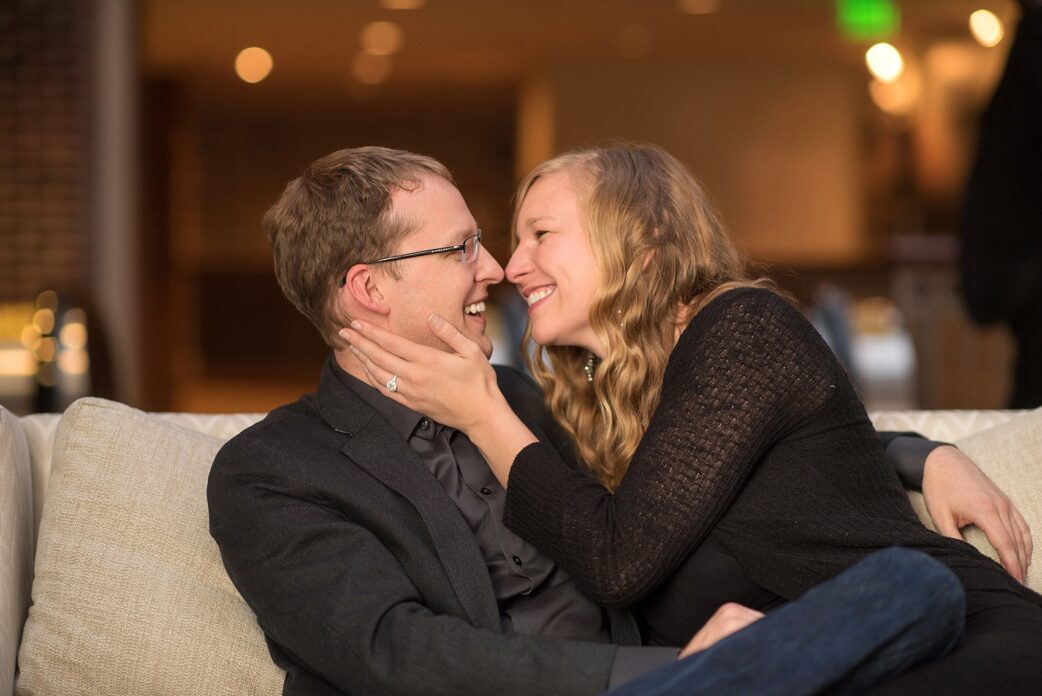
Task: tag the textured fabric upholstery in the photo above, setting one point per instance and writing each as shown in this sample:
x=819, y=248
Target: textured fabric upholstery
x=16, y=542
x=130, y=595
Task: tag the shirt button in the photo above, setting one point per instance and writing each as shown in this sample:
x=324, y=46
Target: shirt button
x=517, y=561
x=425, y=423
x=485, y=490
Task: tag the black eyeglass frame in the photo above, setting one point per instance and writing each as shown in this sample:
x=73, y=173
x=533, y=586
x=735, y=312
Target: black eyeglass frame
x=428, y=252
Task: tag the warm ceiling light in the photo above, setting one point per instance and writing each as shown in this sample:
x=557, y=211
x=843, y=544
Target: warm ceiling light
x=697, y=7
x=382, y=38
x=253, y=64
x=369, y=69
x=884, y=62
x=402, y=4
x=986, y=28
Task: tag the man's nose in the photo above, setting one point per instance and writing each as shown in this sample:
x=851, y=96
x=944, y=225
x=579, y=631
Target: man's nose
x=489, y=269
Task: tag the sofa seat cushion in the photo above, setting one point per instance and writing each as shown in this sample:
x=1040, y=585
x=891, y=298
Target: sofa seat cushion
x=130, y=595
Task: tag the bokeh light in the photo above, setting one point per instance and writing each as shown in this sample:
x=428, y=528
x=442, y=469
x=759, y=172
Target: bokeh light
x=43, y=320
x=382, y=38
x=986, y=28
x=73, y=336
x=884, y=62
x=253, y=64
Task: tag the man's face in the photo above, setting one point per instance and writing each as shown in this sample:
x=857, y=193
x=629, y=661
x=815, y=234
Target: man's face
x=439, y=283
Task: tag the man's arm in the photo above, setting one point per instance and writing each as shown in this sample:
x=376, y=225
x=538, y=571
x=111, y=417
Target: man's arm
x=908, y=452
x=958, y=494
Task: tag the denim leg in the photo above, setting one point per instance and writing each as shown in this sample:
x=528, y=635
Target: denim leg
x=893, y=610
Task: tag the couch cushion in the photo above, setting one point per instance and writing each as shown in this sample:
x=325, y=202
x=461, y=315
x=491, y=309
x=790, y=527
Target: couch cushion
x=1011, y=454
x=130, y=595
x=16, y=542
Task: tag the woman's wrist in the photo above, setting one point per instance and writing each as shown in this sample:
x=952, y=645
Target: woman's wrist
x=500, y=435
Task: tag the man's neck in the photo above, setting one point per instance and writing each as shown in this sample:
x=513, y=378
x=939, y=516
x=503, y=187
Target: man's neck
x=350, y=364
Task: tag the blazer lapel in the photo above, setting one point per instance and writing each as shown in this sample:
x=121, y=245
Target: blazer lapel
x=373, y=445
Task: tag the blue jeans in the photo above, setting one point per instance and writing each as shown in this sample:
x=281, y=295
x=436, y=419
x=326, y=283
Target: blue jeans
x=895, y=609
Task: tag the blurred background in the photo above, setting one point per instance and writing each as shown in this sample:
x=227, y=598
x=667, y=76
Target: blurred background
x=141, y=142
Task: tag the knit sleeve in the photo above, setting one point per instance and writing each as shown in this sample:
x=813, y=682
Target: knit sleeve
x=747, y=371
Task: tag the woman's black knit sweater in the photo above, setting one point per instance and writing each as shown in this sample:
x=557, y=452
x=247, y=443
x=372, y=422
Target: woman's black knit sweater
x=759, y=439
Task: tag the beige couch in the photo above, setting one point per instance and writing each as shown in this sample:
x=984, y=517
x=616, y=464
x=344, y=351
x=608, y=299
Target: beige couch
x=103, y=523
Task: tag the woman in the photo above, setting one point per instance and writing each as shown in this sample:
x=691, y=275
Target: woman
x=733, y=459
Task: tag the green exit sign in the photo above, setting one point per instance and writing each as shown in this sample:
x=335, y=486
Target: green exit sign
x=862, y=20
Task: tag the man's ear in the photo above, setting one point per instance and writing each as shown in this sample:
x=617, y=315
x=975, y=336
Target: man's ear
x=362, y=288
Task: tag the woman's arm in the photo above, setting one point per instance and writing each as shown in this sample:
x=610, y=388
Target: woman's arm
x=748, y=370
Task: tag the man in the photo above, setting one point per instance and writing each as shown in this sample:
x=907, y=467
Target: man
x=369, y=539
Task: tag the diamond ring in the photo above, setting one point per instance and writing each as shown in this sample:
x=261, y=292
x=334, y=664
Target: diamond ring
x=392, y=384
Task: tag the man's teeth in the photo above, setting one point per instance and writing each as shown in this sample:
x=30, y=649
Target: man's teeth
x=476, y=308
x=539, y=294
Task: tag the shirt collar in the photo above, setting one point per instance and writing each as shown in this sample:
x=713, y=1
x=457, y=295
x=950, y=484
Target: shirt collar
x=403, y=419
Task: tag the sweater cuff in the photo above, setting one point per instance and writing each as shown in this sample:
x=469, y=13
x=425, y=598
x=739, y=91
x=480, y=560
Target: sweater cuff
x=631, y=662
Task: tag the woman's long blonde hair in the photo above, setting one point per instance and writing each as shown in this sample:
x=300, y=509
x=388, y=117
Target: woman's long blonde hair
x=662, y=255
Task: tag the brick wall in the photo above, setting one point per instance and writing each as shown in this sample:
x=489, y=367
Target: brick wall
x=45, y=147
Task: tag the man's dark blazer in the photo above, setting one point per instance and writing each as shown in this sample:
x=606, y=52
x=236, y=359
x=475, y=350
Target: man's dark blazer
x=363, y=574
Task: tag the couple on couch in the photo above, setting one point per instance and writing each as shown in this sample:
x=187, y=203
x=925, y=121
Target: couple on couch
x=700, y=476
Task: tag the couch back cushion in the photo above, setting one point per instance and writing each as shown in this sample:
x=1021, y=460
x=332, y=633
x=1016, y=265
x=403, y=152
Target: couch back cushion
x=130, y=595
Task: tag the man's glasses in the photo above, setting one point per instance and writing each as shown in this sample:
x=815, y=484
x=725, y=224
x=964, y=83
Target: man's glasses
x=469, y=250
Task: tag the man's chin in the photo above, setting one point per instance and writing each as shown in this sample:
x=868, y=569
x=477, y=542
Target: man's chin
x=478, y=336
x=484, y=343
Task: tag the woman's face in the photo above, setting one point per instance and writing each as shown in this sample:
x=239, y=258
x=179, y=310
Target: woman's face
x=553, y=267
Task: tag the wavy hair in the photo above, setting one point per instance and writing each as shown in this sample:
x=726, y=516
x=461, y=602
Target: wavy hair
x=663, y=255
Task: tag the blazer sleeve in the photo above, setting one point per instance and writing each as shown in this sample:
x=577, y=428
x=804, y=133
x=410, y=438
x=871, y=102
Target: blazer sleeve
x=907, y=453
x=337, y=603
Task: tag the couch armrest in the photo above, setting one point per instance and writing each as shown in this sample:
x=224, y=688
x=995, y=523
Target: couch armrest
x=17, y=541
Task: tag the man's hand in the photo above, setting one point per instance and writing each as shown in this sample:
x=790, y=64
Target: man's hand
x=728, y=619
x=958, y=493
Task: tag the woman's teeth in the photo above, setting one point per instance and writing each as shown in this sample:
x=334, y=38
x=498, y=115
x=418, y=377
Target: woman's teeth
x=539, y=294
x=476, y=308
